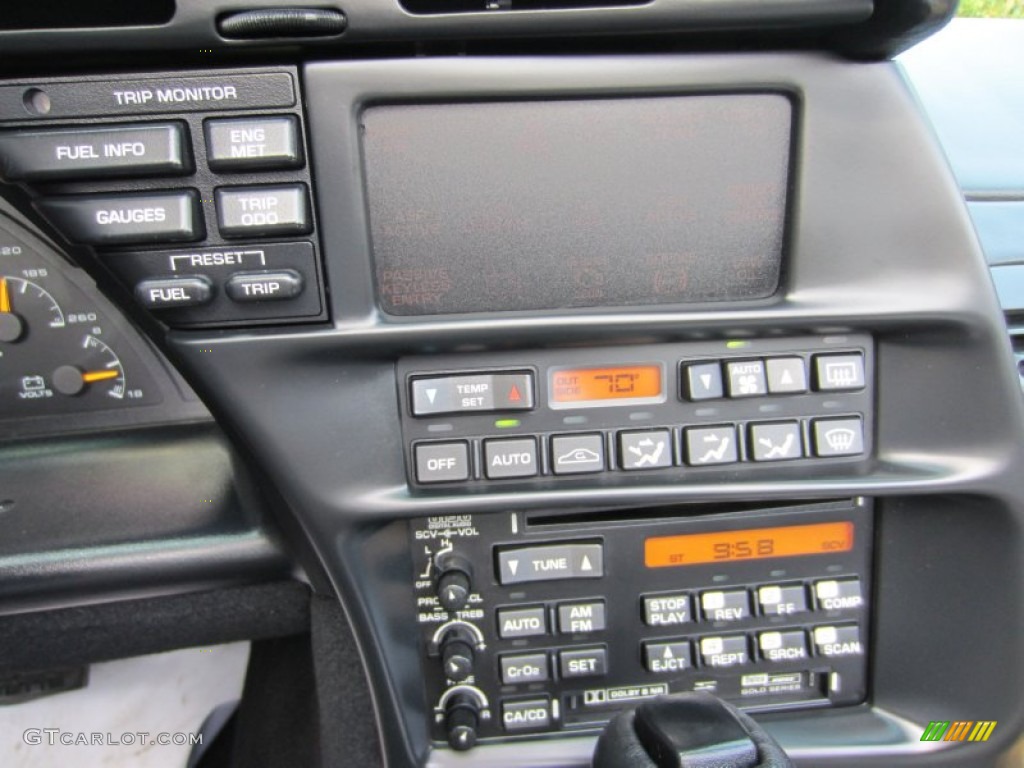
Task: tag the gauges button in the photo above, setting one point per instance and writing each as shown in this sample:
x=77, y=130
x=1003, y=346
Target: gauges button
x=174, y=292
x=144, y=217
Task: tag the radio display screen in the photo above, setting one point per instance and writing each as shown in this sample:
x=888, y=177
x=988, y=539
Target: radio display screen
x=618, y=385
x=749, y=544
x=533, y=205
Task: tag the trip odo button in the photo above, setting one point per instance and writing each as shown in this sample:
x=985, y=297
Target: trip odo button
x=249, y=211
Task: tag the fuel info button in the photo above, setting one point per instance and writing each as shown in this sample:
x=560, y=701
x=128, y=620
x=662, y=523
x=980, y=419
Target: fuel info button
x=263, y=286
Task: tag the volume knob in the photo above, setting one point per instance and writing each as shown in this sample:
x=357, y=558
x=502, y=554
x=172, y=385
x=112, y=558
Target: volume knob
x=462, y=718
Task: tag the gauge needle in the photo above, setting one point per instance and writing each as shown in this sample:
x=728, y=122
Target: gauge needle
x=91, y=376
x=5, y=296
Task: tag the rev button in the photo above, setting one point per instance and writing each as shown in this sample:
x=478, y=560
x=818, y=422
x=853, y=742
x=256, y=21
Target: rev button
x=173, y=293
x=264, y=286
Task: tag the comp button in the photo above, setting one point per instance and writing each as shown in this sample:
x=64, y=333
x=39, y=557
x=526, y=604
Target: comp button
x=264, y=285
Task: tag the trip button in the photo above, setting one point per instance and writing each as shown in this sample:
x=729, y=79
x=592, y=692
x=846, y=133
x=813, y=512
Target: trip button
x=255, y=211
x=442, y=462
x=733, y=605
x=724, y=651
x=510, y=458
x=550, y=563
x=577, y=618
x=525, y=668
x=522, y=622
x=526, y=715
x=782, y=600
x=173, y=293
x=263, y=286
x=790, y=645
x=583, y=662
x=255, y=143
x=98, y=152
x=674, y=656
x=126, y=218
x=838, y=594
x=837, y=641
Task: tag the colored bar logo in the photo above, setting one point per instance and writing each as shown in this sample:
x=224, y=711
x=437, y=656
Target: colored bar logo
x=958, y=730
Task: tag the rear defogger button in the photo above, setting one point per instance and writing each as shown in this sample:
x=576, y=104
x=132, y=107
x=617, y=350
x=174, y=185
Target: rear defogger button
x=551, y=562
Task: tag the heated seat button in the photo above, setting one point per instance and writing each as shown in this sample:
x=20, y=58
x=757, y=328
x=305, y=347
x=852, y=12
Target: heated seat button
x=174, y=293
x=265, y=285
x=96, y=152
x=254, y=211
x=146, y=217
x=256, y=143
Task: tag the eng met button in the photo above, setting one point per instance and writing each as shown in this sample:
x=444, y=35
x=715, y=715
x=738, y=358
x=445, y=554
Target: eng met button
x=550, y=562
x=95, y=152
x=145, y=217
x=253, y=143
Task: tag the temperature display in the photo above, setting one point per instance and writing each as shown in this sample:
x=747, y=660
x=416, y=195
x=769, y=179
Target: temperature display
x=619, y=385
x=750, y=544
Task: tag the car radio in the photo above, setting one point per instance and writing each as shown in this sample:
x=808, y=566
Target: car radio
x=539, y=623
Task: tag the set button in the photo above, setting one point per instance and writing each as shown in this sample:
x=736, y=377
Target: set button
x=583, y=662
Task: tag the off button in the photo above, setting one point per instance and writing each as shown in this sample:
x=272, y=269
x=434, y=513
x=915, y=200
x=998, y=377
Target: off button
x=245, y=287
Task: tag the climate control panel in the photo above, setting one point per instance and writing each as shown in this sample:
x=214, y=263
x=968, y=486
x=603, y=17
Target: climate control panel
x=533, y=624
x=675, y=411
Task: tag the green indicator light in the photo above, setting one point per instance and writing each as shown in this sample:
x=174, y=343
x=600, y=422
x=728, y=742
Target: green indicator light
x=735, y=344
x=506, y=423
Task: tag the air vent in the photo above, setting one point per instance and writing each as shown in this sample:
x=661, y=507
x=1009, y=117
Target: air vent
x=434, y=7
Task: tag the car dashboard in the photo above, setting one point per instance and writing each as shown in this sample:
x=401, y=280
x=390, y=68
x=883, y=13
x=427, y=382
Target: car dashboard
x=539, y=359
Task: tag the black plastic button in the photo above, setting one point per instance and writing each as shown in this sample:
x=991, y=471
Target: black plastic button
x=253, y=143
x=551, y=562
x=264, y=286
x=472, y=392
x=173, y=293
x=782, y=599
x=667, y=657
x=522, y=622
x=145, y=217
x=834, y=641
x=839, y=373
x=256, y=211
x=724, y=651
x=789, y=645
x=442, y=462
x=525, y=668
x=97, y=152
x=727, y=605
x=527, y=715
x=583, y=662
x=577, y=618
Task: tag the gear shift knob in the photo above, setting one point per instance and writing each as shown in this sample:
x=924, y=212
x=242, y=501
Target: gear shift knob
x=688, y=730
